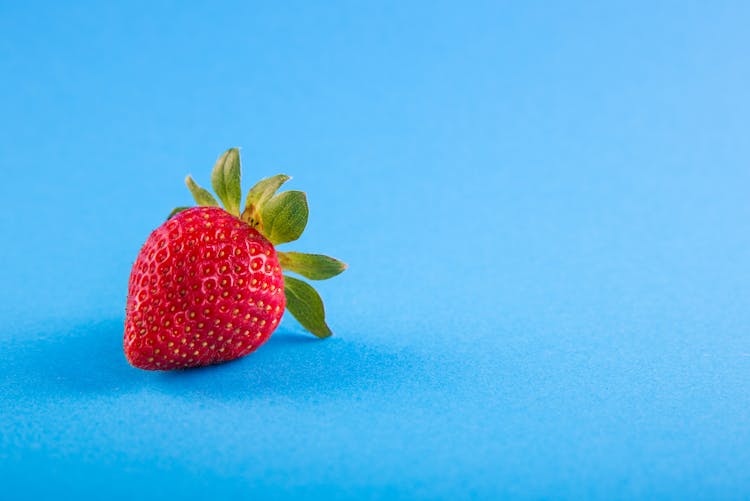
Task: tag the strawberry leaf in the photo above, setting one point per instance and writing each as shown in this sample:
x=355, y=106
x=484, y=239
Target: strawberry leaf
x=176, y=210
x=225, y=178
x=201, y=195
x=284, y=217
x=312, y=266
x=304, y=303
x=262, y=193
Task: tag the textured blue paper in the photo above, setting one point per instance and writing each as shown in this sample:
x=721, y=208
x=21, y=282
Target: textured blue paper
x=544, y=207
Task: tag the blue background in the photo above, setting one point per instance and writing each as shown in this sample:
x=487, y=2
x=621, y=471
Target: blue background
x=544, y=207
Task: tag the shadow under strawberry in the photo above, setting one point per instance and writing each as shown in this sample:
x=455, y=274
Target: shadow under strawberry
x=68, y=360
x=87, y=360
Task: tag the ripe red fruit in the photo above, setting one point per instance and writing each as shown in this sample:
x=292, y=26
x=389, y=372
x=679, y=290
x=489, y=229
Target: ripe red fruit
x=207, y=286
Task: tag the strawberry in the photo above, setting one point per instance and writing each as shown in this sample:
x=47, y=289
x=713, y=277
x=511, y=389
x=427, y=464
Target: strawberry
x=208, y=285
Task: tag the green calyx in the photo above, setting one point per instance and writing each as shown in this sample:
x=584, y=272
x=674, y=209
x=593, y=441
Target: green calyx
x=312, y=266
x=281, y=218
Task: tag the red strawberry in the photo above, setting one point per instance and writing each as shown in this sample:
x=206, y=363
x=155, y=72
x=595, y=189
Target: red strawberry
x=207, y=285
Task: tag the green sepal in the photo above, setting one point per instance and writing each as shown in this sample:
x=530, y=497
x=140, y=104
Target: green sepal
x=225, y=179
x=260, y=194
x=305, y=304
x=312, y=266
x=176, y=210
x=284, y=217
x=201, y=195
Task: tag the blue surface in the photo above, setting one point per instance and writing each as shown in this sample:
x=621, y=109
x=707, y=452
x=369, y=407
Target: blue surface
x=544, y=207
